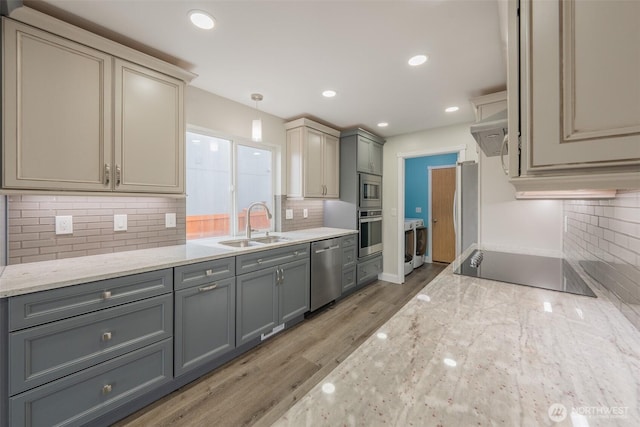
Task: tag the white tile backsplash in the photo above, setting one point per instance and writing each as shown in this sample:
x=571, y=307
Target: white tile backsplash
x=603, y=239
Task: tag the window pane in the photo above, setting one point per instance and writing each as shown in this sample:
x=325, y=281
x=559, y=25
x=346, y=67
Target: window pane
x=208, y=186
x=254, y=184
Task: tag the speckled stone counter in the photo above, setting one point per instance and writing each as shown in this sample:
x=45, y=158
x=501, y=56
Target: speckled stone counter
x=474, y=352
x=38, y=276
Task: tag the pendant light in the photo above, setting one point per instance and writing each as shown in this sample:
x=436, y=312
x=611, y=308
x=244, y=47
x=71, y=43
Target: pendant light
x=256, y=125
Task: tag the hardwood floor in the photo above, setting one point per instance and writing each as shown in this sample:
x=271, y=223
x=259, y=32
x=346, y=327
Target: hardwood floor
x=258, y=387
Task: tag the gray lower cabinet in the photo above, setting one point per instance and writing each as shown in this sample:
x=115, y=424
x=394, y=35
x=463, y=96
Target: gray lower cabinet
x=271, y=296
x=349, y=260
x=369, y=269
x=205, y=323
x=77, y=399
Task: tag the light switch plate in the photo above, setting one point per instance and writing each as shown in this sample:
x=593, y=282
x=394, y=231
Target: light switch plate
x=305, y=213
x=170, y=220
x=64, y=224
x=288, y=214
x=120, y=222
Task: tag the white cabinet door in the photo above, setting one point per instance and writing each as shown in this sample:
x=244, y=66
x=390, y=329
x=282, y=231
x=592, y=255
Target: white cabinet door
x=149, y=130
x=313, y=159
x=331, y=166
x=56, y=112
x=583, y=90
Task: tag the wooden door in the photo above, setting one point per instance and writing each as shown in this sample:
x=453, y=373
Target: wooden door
x=149, y=137
x=443, y=187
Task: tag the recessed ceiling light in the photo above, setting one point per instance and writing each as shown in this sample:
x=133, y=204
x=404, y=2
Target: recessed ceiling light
x=201, y=19
x=383, y=124
x=329, y=93
x=451, y=109
x=418, y=60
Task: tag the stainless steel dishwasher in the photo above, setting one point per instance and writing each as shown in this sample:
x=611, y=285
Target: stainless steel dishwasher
x=326, y=272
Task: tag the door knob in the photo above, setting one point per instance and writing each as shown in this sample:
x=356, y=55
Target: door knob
x=435, y=220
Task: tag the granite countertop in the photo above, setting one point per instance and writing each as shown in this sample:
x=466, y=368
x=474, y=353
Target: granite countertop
x=38, y=276
x=469, y=351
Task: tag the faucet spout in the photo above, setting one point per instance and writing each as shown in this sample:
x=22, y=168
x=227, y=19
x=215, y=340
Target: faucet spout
x=248, y=229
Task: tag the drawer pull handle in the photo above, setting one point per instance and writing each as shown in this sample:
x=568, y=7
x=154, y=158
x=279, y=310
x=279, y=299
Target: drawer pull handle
x=207, y=288
x=106, y=295
x=295, y=253
x=106, y=336
x=209, y=272
x=260, y=261
x=106, y=389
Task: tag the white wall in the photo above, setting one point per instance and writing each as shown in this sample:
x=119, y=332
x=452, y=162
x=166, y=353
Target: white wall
x=213, y=112
x=534, y=226
x=432, y=140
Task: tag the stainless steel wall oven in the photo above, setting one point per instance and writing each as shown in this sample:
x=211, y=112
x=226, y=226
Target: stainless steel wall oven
x=370, y=227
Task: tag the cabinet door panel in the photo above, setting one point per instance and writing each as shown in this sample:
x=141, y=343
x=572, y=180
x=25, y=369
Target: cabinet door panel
x=56, y=112
x=375, y=152
x=205, y=323
x=313, y=164
x=364, y=162
x=256, y=304
x=149, y=138
x=584, y=101
x=331, y=166
x=294, y=290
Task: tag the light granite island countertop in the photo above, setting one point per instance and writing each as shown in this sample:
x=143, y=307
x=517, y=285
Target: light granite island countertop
x=475, y=352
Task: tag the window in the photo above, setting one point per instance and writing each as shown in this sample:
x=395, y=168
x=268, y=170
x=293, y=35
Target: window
x=223, y=178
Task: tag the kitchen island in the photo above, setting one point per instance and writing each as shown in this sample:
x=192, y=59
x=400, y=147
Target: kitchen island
x=469, y=351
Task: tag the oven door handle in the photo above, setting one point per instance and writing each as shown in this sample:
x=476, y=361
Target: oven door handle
x=365, y=220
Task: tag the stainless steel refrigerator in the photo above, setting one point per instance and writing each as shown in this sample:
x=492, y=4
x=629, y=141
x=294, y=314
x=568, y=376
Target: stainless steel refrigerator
x=466, y=205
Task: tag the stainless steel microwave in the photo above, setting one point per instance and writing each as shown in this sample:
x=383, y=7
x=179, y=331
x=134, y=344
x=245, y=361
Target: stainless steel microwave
x=370, y=191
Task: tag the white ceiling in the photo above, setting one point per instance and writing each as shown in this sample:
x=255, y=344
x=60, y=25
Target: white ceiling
x=290, y=51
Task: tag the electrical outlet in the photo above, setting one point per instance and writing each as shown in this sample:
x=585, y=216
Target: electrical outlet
x=305, y=213
x=418, y=209
x=120, y=222
x=64, y=224
x=288, y=214
x=170, y=220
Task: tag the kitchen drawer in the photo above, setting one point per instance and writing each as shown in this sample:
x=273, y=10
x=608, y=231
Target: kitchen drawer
x=348, y=279
x=48, y=306
x=45, y=353
x=349, y=257
x=350, y=240
x=203, y=273
x=368, y=270
x=79, y=398
x=270, y=258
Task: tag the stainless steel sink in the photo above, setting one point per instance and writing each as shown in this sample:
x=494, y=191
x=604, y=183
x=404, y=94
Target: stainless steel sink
x=256, y=241
x=240, y=243
x=270, y=239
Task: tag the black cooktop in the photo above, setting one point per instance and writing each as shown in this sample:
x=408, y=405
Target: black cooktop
x=530, y=270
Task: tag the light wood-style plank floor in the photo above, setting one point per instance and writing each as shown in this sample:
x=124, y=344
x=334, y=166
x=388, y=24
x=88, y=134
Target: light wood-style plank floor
x=258, y=387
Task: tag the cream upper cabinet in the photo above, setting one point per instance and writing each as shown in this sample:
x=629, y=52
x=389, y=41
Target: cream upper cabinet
x=149, y=130
x=313, y=160
x=56, y=112
x=83, y=113
x=574, y=94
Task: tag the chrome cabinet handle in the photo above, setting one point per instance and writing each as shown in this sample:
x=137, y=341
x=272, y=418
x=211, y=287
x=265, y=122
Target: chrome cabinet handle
x=106, y=295
x=107, y=174
x=107, y=336
x=281, y=276
x=207, y=288
x=259, y=260
x=295, y=253
x=504, y=146
x=277, y=276
x=106, y=389
x=118, y=175
x=208, y=272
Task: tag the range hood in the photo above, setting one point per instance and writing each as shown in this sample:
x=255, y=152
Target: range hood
x=490, y=132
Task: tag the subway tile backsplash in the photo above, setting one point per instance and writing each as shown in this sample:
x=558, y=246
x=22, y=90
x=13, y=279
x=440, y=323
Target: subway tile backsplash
x=603, y=238
x=31, y=225
x=315, y=209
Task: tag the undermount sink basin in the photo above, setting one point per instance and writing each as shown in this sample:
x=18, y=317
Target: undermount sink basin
x=270, y=239
x=257, y=241
x=240, y=243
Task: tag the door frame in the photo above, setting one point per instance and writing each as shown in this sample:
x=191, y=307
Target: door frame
x=460, y=150
x=430, y=198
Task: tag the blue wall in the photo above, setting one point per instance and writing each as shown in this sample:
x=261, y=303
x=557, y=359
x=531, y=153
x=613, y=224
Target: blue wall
x=416, y=183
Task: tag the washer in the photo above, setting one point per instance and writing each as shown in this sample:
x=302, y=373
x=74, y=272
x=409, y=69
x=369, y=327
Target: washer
x=409, y=246
x=420, y=241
